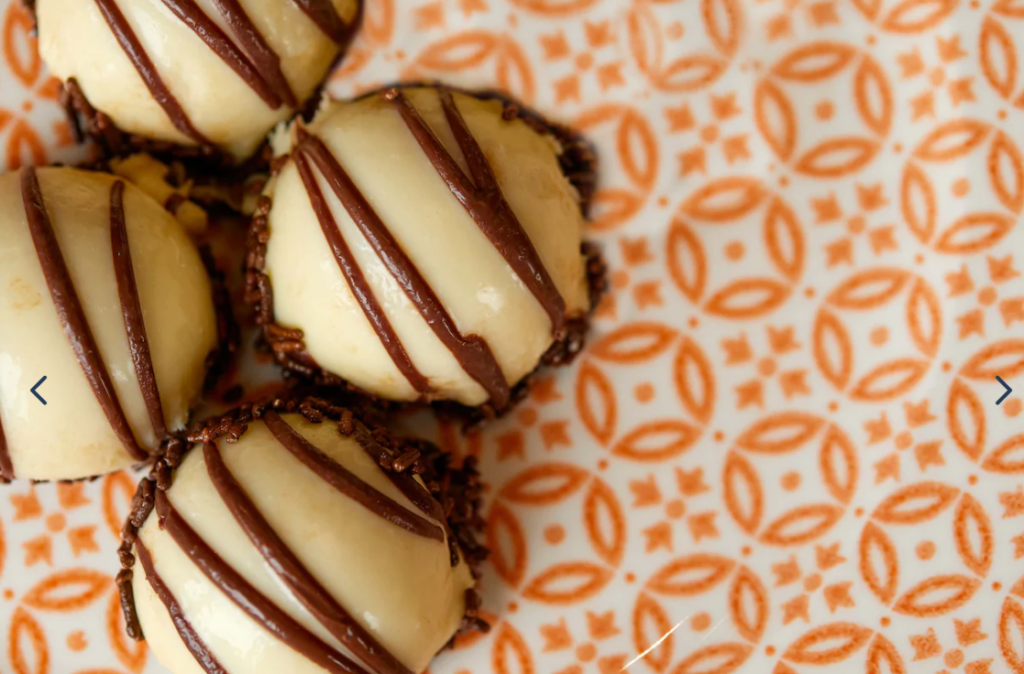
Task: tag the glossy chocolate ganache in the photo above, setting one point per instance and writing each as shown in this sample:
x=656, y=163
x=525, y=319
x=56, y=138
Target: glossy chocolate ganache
x=424, y=244
x=293, y=537
x=218, y=74
x=105, y=295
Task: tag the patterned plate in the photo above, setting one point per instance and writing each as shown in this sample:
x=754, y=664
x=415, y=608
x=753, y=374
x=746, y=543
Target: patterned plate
x=782, y=451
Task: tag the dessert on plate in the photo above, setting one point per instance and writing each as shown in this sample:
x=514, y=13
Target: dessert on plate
x=103, y=293
x=424, y=244
x=291, y=537
x=212, y=74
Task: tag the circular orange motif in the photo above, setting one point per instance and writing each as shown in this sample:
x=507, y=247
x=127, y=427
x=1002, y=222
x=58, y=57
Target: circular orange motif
x=644, y=392
x=766, y=367
x=774, y=520
x=790, y=481
x=55, y=522
x=987, y=296
x=925, y=550
x=829, y=66
x=738, y=207
x=824, y=110
x=879, y=335
x=904, y=440
x=675, y=509
x=700, y=622
x=840, y=322
x=699, y=60
x=734, y=250
x=554, y=534
x=997, y=194
x=961, y=187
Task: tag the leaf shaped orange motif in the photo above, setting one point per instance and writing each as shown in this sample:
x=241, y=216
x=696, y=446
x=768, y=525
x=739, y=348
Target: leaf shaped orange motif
x=878, y=562
x=717, y=659
x=966, y=419
x=1008, y=458
x=743, y=494
x=507, y=544
x=686, y=262
x=691, y=575
x=780, y=433
x=969, y=524
x=634, y=342
x=1011, y=634
x=883, y=658
x=890, y=380
x=833, y=351
x=68, y=590
x=915, y=503
x=28, y=650
x=19, y=46
x=544, y=484
x=694, y=381
x=937, y=596
x=604, y=522
x=657, y=441
x=869, y=288
x=873, y=96
x=974, y=232
x=722, y=21
x=567, y=583
x=651, y=624
x=510, y=654
x=775, y=119
x=998, y=57
x=595, y=400
x=917, y=201
x=724, y=200
x=1006, y=170
x=828, y=644
x=613, y=208
x=837, y=157
x=748, y=605
x=924, y=318
x=952, y=140
x=118, y=491
x=838, y=461
x=802, y=524
x=690, y=73
x=814, y=62
x=783, y=240
x=916, y=16
x=1005, y=358
x=747, y=298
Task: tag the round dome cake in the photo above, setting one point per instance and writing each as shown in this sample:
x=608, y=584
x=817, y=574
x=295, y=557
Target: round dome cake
x=101, y=292
x=422, y=244
x=211, y=73
x=294, y=538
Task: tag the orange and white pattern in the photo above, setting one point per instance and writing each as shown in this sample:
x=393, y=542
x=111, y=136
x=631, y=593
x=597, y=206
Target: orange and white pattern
x=781, y=451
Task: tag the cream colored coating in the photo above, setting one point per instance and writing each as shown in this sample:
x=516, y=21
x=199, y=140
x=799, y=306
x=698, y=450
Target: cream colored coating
x=475, y=284
x=70, y=437
x=75, y=41
x=400, y=586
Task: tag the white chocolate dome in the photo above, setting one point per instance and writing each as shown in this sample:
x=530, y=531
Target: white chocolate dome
x=64, y=306
x=273, y=550
x=460, y=234
x=255, y=64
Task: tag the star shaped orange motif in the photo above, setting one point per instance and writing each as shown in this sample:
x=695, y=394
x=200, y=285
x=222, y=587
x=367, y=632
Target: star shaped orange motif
x=928, y=454
x=680, y=119
x=786, y=572
x=823, y=13
x=826, y=209
x=971, y=323
x=888, y=467
x=658, y=536
x=645, y=492
x=1013, y=502
x=555, y=46
x=797, y=607
x=702, y=525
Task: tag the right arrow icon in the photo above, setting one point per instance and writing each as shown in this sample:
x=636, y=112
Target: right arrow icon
x=1006, y=386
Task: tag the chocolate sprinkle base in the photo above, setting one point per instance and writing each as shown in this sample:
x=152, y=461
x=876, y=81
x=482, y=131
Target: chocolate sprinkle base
x=578, y=162
x=458, y=490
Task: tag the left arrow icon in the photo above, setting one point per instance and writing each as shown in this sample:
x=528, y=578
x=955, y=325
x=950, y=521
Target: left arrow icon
x=35, y=393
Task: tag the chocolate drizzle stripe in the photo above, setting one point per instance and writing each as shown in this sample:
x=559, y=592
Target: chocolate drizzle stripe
x=69, y=310
x=262, y=611
x=192, y=641
x=357, y=281
x=263, y=58
x=484, y=201
x=347, y=483
x=147, y=71
x=6, y=467
x=306, y=588
x=323, y=14
x=410, y=488
x=471, y=351
x=131, y=310
x=220, y=44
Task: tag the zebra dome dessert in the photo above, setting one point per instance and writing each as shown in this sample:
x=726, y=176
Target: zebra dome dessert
x=294, y=538
x=423, y=244
x=102, y=292
x=210, y=73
